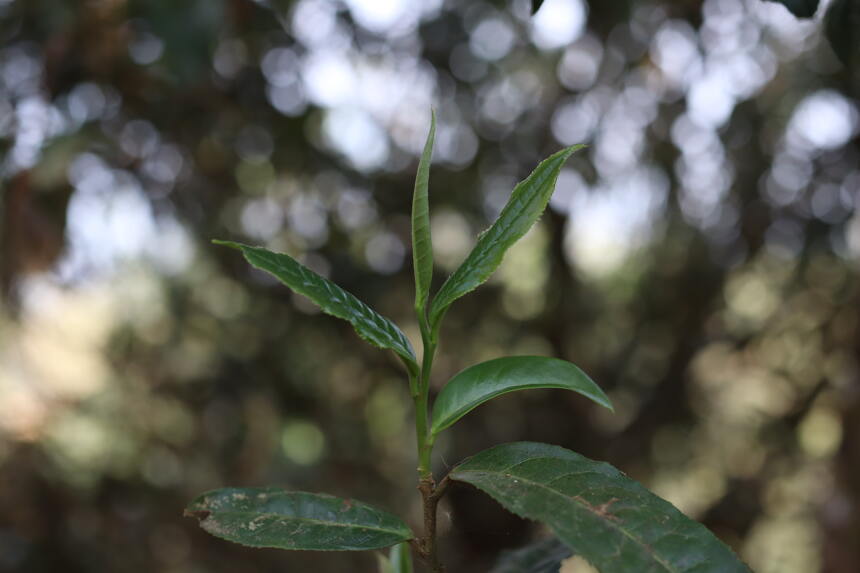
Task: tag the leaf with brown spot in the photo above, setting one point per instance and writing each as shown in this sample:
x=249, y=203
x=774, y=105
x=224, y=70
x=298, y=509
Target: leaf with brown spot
x=601, y=514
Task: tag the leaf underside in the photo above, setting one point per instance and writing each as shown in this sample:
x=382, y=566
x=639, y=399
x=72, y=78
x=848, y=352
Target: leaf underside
x=527, y=202
x=601, y=514
x=543, y=556
x=422, y=247
x=271, y=517
x=482, y=382
x=332, y=299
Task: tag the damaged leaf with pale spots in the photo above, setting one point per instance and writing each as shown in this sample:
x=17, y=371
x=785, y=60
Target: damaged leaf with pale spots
x=272, y=517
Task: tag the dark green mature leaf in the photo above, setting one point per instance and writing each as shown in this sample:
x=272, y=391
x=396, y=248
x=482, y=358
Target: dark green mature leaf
x=333, y=300
x=399, y=560
x=601, y=514
x=422, y=247
x=544, y=556
x=525, y=206
x=800, y=8
x=482, y=382
x=272, y=517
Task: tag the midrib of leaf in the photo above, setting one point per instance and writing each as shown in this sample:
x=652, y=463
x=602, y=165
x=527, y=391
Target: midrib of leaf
x=493, y=234
x=422, y=246
x=585, y=505
x=259, y=514
x=459, y=412
x=488, y=240
x=506, y=223
x=343, y=299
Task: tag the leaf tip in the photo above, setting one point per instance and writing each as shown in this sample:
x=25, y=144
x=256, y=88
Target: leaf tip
x=198, y=514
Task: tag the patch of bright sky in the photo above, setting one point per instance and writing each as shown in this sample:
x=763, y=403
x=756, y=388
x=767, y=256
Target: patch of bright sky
x=823, y=120
x=373, y=101
x=492, y=38
x=110, y=219
x=558, y=23
x=354, y=133
x=391, y=17
x=607, y=222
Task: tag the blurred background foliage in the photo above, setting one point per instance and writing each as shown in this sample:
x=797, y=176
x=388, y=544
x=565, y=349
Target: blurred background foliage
x=699, y=260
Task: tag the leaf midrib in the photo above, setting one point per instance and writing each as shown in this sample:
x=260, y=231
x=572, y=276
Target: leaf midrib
x=501, y=226
x=344, y=300
x=646, y=547
x=459, y=413
x=306, y=519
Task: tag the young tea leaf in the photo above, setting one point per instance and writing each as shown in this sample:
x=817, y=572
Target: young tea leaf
x=544, y=556
x=422, y=247
x=525, y=206
x=333, y=300
x=272, y=517
x=482, y=382
x=602, y=515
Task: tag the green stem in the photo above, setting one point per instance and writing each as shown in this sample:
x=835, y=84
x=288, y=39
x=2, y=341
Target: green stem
x=426, y=485
x=422, y=429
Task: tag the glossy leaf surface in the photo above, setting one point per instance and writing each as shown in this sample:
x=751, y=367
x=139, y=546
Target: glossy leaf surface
x=332, y=299
x=482, y=382
x=272, y=517
x=544, y=556
x=601, y=514
x=524, y=207
x=422, y=247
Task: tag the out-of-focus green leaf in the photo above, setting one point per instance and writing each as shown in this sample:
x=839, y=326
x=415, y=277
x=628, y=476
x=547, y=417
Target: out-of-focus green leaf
x=482, y=382
x=842, y=28
x=601, y=514
x=399, y=560
x=536, y=4
x=525, y=206
x=800, y=8
x=543, y=556
x=333, y=300
x=272, y=517
x=422, y=247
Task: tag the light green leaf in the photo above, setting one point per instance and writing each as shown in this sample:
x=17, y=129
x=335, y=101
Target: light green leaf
x=543, y=556
x=398, y=561
x=422, y=247
x=272, y=517
x=482, y=382
x=601, y=514
x=333, y=300
x=525, y=206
